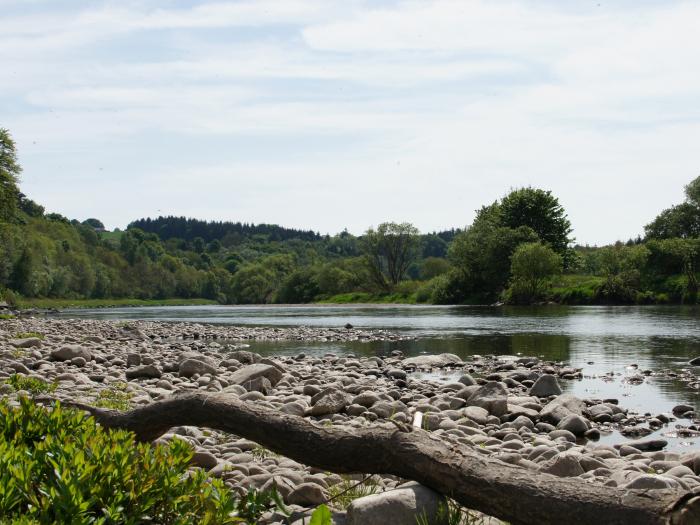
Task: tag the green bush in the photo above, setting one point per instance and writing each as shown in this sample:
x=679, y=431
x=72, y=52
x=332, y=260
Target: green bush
x=532, y=267
x=60, y=466
x=34, y=385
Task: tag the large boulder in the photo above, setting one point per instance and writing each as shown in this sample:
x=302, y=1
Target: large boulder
x=477, y=414
x=563, y=465
x=190, y=367
x=545, y=386
x=243, y=356
x=575, y=424
x=27, y=342
x=560, y=407
x=68, y=352
x=404, y=505
x=645, y=445
x=491, y=396
x=249, y=373
x=307, y=495
x=432, y=361
x=329, y=401
x=144, y=371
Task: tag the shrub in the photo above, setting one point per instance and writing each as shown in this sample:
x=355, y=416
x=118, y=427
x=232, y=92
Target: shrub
x=60, y=466
x=34, y=385
x=532, y=266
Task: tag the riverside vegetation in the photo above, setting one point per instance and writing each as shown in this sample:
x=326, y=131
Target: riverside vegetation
x=517, y=250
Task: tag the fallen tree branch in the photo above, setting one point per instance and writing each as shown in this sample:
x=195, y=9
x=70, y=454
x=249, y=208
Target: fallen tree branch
x=506, y=491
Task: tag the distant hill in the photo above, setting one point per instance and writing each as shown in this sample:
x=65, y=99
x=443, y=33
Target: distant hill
x=188, y=229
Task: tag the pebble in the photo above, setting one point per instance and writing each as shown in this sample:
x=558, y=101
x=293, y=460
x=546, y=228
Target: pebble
x=520, y=417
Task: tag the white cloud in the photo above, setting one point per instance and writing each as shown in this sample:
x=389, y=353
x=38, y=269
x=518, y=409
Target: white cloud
x=444, y=105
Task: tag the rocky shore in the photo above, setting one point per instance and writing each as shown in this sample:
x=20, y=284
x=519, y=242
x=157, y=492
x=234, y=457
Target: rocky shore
x=513, y=410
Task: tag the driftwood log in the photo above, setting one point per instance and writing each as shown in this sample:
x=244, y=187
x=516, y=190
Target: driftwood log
x=508, y=492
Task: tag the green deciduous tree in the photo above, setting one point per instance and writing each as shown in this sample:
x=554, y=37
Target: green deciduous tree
x=481, y=258
x=669, y=257
x=681, y=220
x=532, y=267
x=9, y=177
x=621, y=267
x=434, y=266
x=389, y=252
x=539, y=210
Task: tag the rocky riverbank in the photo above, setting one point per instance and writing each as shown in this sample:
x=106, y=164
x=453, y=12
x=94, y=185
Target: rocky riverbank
x=512, y=410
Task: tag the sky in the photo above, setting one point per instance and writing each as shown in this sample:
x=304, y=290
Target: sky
x=327, y=115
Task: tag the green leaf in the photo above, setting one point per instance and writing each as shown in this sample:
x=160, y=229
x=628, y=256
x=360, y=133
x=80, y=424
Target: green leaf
x=321, y=516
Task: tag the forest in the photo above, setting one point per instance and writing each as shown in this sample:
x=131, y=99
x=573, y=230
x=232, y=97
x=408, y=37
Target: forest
x=518, y=250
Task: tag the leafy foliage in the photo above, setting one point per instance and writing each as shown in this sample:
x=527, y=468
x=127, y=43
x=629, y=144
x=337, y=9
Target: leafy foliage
x=389, y=252
x=9, y=177
x=59, y=466
x=34, y=385
x=532, y=266
x=228, y=233
x=321, y=516
x=540, y=211
x=682, y=220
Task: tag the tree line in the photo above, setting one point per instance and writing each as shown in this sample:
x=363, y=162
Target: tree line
x=518, y=250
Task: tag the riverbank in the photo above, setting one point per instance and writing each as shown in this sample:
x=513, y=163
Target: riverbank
x=508, y=409
x=58, y=304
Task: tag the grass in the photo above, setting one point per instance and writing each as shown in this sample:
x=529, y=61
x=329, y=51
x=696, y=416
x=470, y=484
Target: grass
x=115, y=397
x=369, y=298
x=108, y=303
x=575, y=289
x=27, y=335
x=6, y=317
x=259, y=453
x=343, y=493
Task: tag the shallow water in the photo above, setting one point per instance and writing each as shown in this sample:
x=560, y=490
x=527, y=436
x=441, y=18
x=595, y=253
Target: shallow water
x=600, y=340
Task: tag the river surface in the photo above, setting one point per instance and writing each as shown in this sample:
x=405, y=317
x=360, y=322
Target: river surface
x=610, y=344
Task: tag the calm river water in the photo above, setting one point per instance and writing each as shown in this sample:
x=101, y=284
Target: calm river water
x=600, y=340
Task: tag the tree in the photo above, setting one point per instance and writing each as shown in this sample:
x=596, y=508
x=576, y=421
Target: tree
x=481, y=257
x=540, y=211
x=9, y=177
x=621, y=267
x=22, y=272
x=434, y=266
x=681, y=220
x=669, y=257
x=94, y=223
x=434, y=246
x=389, y=251
x=30, y=207
x=532, y=266
x=299, y=287
x=692, y=191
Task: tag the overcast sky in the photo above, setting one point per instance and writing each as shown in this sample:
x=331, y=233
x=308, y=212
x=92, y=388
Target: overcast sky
x=332, y=114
